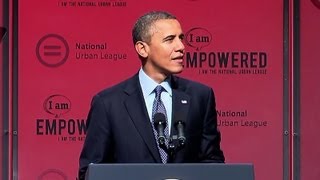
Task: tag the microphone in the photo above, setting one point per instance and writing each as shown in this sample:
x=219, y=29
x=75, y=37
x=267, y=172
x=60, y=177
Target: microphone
x=160, y=124
x=179, y=125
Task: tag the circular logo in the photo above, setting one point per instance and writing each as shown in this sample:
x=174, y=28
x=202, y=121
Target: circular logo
x=52, y=50
x=52, y=174
x=57, y=105
x=198, y=38
x=316, y=3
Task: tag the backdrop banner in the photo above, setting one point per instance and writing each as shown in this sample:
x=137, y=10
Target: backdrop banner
x=71, y=49
x=309, y=88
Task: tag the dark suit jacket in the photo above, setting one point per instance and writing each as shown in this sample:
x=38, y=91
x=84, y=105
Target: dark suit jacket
x=119, y=129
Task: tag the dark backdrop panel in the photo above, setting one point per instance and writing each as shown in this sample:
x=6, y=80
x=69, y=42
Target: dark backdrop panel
x=2, y=31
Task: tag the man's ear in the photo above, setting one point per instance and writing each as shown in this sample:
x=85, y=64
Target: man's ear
x=142, y=49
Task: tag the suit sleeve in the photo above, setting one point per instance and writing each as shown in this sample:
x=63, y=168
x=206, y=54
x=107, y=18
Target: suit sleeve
x=211, y=137
x=96, y=147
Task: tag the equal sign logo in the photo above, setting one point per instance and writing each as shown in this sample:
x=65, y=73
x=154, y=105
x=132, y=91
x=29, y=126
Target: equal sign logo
x=52, y=50
x=2, y=33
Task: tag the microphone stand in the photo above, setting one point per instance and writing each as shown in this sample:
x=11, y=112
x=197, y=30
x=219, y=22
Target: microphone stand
x=172, y=148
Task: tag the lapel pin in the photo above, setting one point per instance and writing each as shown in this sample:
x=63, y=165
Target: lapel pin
x=184, y=101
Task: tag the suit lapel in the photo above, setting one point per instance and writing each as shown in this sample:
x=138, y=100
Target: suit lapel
x=136, y=108
x=137, y=111
x=180, y=103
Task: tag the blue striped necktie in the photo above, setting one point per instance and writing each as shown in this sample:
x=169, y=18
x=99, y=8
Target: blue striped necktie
x=158, y=107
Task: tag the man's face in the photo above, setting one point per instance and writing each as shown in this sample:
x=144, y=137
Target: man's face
x=165, y=49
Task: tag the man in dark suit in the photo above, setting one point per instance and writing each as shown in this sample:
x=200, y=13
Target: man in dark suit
x=121, y=127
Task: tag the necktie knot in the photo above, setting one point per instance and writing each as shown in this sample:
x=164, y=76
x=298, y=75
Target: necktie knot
x=158, y=90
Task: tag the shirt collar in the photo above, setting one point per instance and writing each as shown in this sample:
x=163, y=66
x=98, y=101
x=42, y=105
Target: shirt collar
x=148, y=85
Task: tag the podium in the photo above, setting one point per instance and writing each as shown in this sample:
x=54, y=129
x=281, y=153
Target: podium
x=197, y=171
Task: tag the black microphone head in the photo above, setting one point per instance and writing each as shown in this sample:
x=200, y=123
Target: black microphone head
x=159, y=118
x=179, y=122
x=180, y=125
x=178, y=119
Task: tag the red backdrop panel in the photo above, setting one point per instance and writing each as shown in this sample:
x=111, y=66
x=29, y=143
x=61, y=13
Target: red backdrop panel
x=69, y=50
x=310, y=88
